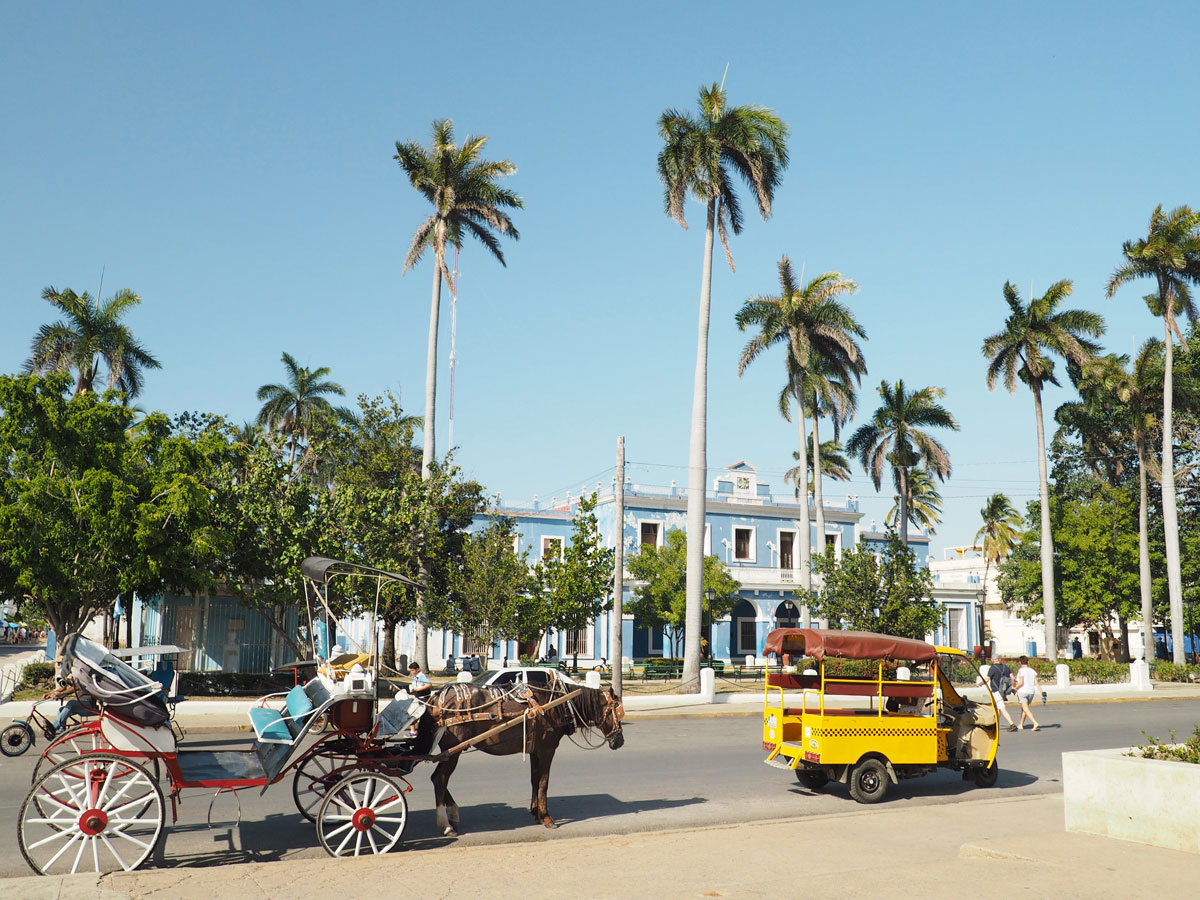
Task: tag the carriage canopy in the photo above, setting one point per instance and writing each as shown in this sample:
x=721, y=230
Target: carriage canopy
x=820, y=643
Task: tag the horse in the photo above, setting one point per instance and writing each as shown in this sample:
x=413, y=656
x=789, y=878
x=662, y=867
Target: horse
x=461, y=711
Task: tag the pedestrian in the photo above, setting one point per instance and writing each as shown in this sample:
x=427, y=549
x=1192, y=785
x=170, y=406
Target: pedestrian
x=420, y=685
x=1027, y=687
x=999, y=681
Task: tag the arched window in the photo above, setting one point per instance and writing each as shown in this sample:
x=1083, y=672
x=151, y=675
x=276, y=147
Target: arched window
x=787, y=615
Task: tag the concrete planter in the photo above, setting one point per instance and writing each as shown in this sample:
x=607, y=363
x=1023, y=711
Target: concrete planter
x=1149, y=801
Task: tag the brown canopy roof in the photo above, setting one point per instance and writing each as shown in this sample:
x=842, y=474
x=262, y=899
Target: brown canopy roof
x=822, y=642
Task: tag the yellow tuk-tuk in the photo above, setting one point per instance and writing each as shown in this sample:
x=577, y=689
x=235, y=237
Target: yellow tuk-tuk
x=874, y=709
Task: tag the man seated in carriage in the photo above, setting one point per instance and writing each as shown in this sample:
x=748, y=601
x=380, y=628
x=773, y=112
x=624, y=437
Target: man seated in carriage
x=73, y=707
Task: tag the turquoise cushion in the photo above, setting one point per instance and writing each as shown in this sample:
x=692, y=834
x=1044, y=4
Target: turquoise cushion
x=298, y=705
x=269, y=725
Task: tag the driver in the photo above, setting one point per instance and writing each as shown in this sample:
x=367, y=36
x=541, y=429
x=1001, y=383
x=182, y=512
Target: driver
x=420, y=686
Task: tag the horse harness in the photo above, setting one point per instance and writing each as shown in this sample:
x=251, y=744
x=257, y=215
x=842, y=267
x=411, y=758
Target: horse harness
x=493, y=710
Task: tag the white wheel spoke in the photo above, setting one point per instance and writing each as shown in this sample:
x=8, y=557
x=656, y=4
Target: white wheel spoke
x=95, y=850
x=79, y=855
x=348, y=808
x=389, y=804
x=371, y=840
x=120, y=832
x=336, y=831
x=358, y=843
x=113, y=851
x=342, y=845
x=58, y=835
x=392, y=819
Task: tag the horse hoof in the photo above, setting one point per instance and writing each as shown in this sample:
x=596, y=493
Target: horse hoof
x=549, y=823
x=450, y=832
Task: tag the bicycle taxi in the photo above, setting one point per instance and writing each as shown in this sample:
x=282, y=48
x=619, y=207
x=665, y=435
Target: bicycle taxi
x=873, y=709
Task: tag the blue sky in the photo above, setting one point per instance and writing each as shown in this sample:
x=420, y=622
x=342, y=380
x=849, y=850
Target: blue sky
x=232, y=164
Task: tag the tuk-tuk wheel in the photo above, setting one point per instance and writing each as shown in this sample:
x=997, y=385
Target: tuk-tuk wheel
x=813, y=779
x=985, y=777
x=869, y=781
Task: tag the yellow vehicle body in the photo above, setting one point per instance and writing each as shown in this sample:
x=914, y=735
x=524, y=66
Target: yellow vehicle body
x=910, y=725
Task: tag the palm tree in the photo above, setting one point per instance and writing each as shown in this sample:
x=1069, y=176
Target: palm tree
x=819, y=332
x=830, y=393
x=896, y=435
x=462, y=186
x=923, y=501
x=1019, y=351
x=1170, y=254
x=834, y=464
x=699, y=157
x=1000, y=533
x=295, y=407
x=90, y=334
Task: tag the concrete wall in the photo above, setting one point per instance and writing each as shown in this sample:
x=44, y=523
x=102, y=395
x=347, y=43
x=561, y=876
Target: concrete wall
x=1148, y=801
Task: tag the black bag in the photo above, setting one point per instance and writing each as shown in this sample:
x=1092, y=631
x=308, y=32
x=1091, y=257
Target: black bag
x=1000, y=679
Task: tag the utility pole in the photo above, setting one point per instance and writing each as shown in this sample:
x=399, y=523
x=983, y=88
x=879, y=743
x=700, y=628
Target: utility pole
x=618, y=612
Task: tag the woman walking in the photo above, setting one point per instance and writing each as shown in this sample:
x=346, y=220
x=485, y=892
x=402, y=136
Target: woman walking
x=1027, y=687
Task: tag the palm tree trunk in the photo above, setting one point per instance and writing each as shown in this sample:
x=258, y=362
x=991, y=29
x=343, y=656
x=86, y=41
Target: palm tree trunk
x=904, y=505
x=1047, y=539
x=1170, y=512
x=1144, y=581
x=698, y=474
x=805, y=534
x=421, y=631
x=818, y=500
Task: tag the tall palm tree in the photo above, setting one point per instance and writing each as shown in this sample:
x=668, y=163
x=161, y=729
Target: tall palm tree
x=1170, y=254
x=699, y=157
x=896, y=436
x=1117, y=406
x=831, y=390
x=90, y=334
x=294, y=407
x=924, y=503
x=834, y=464
x=1020, y=351
x=819, y=333
x=1000, y=533
x=467, y=200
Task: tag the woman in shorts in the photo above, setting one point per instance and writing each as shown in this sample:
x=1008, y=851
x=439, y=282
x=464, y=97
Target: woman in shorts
x=1027, y=687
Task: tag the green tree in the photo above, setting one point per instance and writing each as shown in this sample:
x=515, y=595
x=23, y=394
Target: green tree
x=699, y=157
x=660, y=599
x=386, y=515
x=90, y=334
x=1000, y=533
x=886, y=593
x=1170, y=254
x=295, y=407
x=495, y=586
x=88, y=513
x=575, y=588
x=467, y=200
x=823, y=357
x=834, y=464
x=897, y=434
x=924, y=503
x=1021, y=351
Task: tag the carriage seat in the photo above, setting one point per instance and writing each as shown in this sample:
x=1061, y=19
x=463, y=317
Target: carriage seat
x=272, y=726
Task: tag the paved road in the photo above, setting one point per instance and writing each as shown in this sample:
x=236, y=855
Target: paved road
x=671, y=773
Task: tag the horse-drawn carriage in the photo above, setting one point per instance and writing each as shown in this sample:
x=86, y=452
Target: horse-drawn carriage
x=103, y=808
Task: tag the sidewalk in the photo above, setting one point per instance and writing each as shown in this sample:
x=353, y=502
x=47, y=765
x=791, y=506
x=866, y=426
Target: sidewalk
x=978, y=849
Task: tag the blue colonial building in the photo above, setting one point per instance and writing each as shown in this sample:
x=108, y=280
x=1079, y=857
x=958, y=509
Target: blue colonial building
x=753, y=528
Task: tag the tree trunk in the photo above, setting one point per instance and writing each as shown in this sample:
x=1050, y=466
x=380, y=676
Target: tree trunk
x=387, y=654
x=420, y=628
x=127, y=603
x=818, y=500
x=1170, y=511
x=1144, y=578
x=1123, y=623
x=616, y=649
x=698, y=473
x=903, y=505
x=805, y=535
x=1047, y=539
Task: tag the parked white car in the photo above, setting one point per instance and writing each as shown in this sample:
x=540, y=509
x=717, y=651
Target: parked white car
x=538, y=676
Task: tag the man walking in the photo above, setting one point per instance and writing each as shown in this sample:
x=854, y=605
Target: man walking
x=1000, y=683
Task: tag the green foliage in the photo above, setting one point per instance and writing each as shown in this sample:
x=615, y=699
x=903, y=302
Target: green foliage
x=1188, y=751
x=91, y=508
x=1169, y=671
x=37, y=674
x=660, y=599
x=494, y=585
x=888, y=595
x=573, y=589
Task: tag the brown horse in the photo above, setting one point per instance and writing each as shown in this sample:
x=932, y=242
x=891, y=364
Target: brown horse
x=459, y=712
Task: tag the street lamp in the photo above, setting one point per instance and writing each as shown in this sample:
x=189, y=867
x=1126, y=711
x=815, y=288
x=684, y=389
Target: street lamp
x=710, y=594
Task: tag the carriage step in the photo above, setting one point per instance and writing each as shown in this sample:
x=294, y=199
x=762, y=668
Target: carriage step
x=779, y=762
